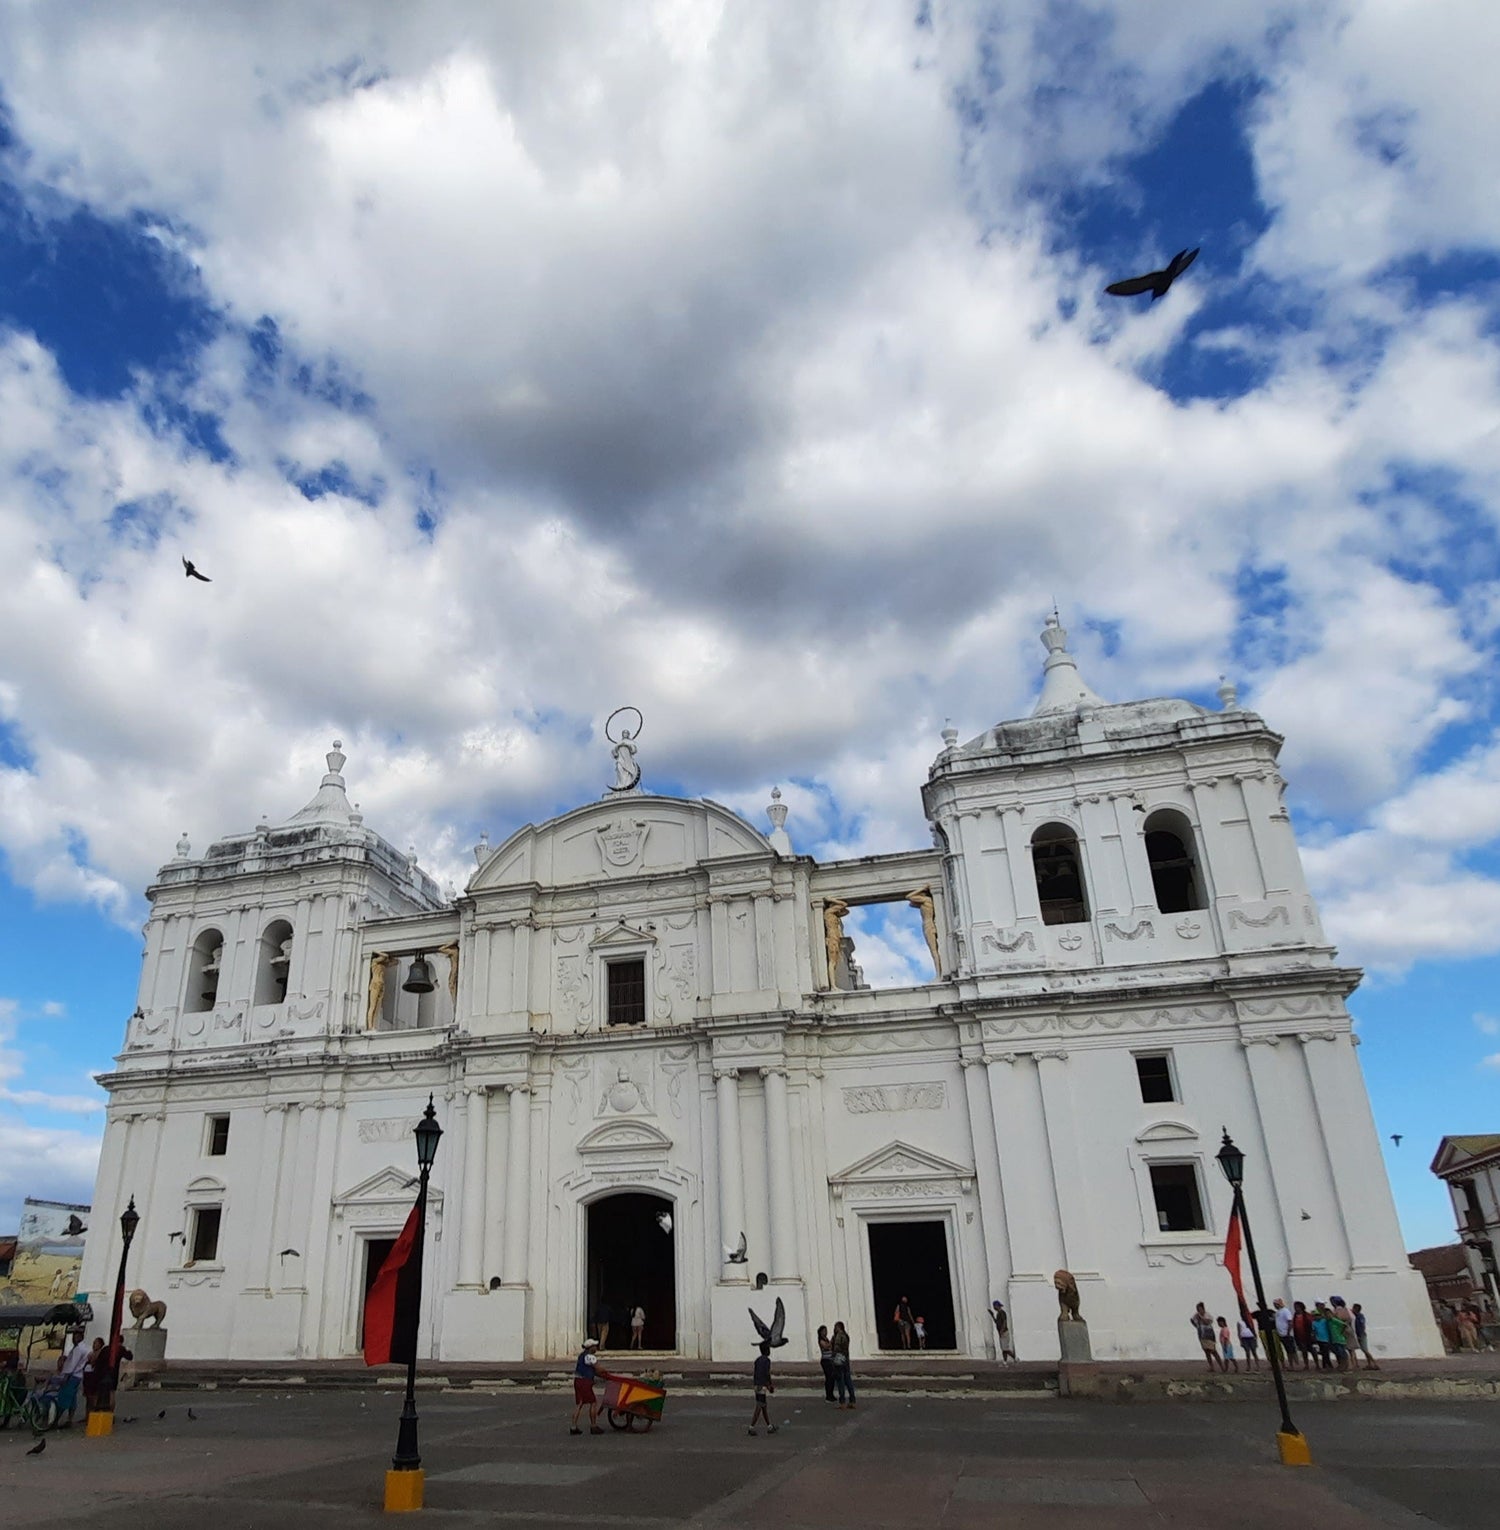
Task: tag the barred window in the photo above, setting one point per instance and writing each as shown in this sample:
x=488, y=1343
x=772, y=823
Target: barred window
x=627, y=992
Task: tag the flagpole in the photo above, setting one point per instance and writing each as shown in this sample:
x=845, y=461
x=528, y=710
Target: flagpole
x=1268, y=1336
x=407, y=1457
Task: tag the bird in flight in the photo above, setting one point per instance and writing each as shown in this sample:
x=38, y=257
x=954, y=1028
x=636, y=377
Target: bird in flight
x=739, y=1253
x=1154, y=282
x=775, y=1334
x=1396, y=1138
x=190, y=571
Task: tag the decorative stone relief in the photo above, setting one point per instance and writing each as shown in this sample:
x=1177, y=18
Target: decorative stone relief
x=682, y=971
x=574, y=991
x=625, y=1087
x=574, y=1076
x=894, y=1097
x=1022, y=939
x=1143, y=927
x=1072, y=941
x=1277, y=915
x=387, y=1129
x=621, y=844
x=1189, y=929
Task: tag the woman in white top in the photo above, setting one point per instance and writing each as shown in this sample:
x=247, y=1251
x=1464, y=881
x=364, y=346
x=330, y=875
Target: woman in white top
x=637, y=1326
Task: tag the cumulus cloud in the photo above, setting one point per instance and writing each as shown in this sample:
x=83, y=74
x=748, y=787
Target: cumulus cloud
x=680, y=355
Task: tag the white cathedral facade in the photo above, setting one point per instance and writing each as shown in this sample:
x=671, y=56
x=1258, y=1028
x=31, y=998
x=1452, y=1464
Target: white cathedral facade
x=647, y=1035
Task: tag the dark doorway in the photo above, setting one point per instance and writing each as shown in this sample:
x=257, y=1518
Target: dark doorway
x=376, y=1251
x=910, y=1259
x=632, y=1263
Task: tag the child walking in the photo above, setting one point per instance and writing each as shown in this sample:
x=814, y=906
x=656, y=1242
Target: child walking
x=763, y=1385
x=1226, y=1347
x=921, y=1333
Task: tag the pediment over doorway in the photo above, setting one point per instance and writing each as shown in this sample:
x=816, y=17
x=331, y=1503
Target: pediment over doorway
x=900, y=1164
x=625, y=1137
x=384, y=1187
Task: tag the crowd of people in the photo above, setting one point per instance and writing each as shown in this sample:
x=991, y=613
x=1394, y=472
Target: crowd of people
x=1467, y=1326
x=1328, y=1336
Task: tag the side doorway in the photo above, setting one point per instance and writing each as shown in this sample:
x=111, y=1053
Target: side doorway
x=910, y=1260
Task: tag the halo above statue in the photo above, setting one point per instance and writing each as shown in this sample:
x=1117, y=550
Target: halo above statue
x=627, y=772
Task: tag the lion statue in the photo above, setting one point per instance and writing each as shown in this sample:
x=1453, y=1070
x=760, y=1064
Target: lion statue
x=142, y=1307
x=1067, y=1296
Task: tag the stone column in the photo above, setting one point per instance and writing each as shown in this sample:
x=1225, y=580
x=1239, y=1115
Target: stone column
x=1361, y=1189
x=987, y=1172
x=1133, y=848
x=1274, y=843
x=269, y=1189
x=731, y=1170
x=779, y=1155
x=1067, y=1173
x=1021, y=1143
x=517, y=1186
x=304, y=1141
x=471, y=1219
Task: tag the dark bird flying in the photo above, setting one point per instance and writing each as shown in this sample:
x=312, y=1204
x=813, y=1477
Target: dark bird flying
x=39, y=1447
x=774, y=1335
x=1396, y=1138
x=190, y=570
x=1154, y=282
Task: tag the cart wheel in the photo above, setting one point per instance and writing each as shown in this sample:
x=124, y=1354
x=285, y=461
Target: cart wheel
x=618, y=1420
x=635, y=1419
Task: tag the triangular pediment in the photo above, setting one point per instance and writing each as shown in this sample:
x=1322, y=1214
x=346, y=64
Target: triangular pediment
x=625, y=1137
x=900, y=1161
x=621, y=934
x=1167, y=1131
x=387, y=1184
x=1461, y=1152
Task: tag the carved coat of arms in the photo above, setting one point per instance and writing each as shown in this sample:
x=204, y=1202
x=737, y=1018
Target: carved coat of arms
x=620, y=844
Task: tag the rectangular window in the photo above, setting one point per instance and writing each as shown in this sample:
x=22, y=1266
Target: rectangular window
x=206, y=1233
x=1179, y=1207
x=218, y=1136
x=627, y=992
x=1154, y=1070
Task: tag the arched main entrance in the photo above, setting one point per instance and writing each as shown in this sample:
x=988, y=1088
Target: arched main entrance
x=632, y=1263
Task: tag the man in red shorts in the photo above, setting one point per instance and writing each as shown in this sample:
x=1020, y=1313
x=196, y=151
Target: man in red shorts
x=583, y=1388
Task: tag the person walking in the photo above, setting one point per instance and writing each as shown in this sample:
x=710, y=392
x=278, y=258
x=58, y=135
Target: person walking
x=1001, y=1320
x=921, y=1332
x=1362, y=1337
x=1250, y=1343
x=583, y=1387
x=905, y=1322
x=602, y=1316
x=825, y=1359
x=1283, y=1317
x=1203, y=1326
x=763, y=1387
x=1226, y=1346
x=843, y=1375
x=637, y=1325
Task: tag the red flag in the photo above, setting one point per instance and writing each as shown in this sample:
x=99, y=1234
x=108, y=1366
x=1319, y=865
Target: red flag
x=1232, y=1261
x=391, y=1304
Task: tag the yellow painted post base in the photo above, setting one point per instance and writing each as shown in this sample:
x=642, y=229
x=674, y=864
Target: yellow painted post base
x=99, y=1424
x=403, y=1491
x=1293, y=1448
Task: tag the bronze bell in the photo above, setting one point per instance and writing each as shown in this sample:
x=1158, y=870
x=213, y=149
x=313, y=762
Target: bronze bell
x=419, y=978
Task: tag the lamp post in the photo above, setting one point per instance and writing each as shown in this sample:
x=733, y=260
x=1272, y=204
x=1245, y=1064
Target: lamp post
x=104, y=1413
x=1289, y=1439
x=406, y=1490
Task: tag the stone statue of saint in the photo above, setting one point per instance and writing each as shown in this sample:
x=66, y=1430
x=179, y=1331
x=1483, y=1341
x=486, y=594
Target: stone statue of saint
x=834, y=910
x=451, y=952
x=379, y=962
x=627, y=772
x=921, y=899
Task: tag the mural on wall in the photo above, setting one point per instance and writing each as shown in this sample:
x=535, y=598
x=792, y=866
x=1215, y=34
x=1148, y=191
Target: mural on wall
x=49, y=1254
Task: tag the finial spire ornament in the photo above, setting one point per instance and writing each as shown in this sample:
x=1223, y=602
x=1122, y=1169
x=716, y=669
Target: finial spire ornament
x=950, y=736
x=627, y=772
x=1063, y=688
x=1228, y=694
x=184, y=849
x=482, y=849
x=776, y=812
x=336, y=758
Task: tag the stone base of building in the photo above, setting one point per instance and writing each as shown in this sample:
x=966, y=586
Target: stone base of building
x=734, y=1335
x=267, y=1324
x=485, y=1325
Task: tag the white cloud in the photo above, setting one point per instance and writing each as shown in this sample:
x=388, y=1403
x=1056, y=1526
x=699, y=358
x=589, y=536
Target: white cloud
x=736, y=352
x=1488, y=1024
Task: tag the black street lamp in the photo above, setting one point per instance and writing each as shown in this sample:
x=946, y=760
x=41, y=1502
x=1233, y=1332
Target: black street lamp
x=1289, y=1439
x=407, y=1457
x=130, y=1219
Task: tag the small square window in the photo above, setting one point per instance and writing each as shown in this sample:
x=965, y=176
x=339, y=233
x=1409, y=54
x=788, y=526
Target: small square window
x=1179, y=1207
x=1154, y=1070
x=206, y=1233
x=218, y=1136
x=627, y=992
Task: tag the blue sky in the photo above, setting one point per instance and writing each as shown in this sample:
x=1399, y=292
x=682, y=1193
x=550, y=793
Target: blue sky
x=505, y=364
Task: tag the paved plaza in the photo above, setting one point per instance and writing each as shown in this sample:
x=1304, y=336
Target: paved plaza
x=956, y=1463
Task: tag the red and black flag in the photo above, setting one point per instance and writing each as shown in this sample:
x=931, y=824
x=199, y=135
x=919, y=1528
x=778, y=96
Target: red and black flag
x=395, y=1293
x=1232, y=1260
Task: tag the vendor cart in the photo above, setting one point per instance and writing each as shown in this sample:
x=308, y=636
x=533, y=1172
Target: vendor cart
x=633, y=1400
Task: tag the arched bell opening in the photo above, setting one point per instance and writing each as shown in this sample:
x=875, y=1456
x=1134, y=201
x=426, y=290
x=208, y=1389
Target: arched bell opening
x=273, y=963
x=205, y=961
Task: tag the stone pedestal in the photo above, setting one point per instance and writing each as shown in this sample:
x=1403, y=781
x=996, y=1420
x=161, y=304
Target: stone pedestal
x=1073, y=1342
x=148, y=1345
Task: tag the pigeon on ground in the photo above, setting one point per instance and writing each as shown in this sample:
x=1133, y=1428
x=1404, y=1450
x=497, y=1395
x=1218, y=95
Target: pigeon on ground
x=127, y=1420
x=39, y=1447
x=739, y=1254
x=1154, y=282
x=774, y=1335
x=190, y=572
x=192, y=1415
x=162, y=1414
